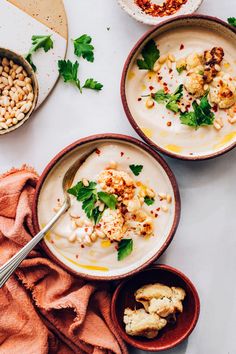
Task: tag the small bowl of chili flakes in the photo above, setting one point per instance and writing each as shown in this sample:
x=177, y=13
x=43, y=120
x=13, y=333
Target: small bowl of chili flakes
x=153, y=12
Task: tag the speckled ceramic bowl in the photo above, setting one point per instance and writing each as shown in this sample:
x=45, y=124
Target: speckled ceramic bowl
x=134, y=11
x=172, y=334
x=99, y=268
x=159, y=127
x=20, y=60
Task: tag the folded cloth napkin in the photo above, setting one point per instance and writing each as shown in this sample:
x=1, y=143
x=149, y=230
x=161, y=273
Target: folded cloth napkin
x=44, y=309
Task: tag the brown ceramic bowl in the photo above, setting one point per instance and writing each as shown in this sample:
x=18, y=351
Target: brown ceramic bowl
x=139, y=260
x=172, y=334
x=180, y=36
x=20, y=60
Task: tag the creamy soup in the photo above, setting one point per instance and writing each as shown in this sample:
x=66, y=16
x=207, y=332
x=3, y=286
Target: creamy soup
x=100, y=257
x=163, y=126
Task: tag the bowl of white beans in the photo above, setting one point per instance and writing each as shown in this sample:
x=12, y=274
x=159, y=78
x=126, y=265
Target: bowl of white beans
x=18, y=90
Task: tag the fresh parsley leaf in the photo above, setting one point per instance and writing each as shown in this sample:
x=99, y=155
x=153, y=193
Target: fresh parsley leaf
x=136, y=169
x=150, y=54
x=81, y=192
x=232, y=21
x=93, y=85
x=201, y=115
x=84, y=48
x=89, y=205
x=181, y=69
x=96, y=214
x=38, y=42
x=201, y=72
x=169, y=99
x=173, y=106
x=125, y=248
x=174, y=98
x=161, y=96
x=108, y=199
x=28, y=57
x=69, y=72
x=188, y=118
x=149, y=201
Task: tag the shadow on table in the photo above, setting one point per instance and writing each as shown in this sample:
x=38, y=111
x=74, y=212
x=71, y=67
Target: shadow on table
x=180, y=349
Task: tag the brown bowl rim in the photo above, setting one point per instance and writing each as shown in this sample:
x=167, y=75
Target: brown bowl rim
x=129, y=115
x=101, y=137
x=31, y=72
x=131, y=340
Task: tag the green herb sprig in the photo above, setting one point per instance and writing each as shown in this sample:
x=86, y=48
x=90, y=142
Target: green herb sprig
x=150, y=54
x=136, y=169
x=84, y=48
x=38, y=42
x=89, y=196
x=125, y=248
x=232, y=21
x=200, y=116
x=171, y=100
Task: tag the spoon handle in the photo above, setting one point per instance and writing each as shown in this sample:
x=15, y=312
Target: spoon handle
x=10, y=266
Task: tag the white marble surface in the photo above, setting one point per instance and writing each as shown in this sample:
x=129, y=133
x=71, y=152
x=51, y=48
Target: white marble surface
x=205, y=243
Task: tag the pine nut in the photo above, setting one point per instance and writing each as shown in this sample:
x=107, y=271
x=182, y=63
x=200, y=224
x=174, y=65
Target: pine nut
x=100, y=234
x=93, y=237
x=5, y=61
x=72, y=237
x=20, y=116
x=169, y=64
x=149, y=103
x=162, y=196
x=157, y=66
x=85, y=182
x=164, y=208
x=217, y=67
x=232, y=120
x=162, y=59
x=19, y=70
x=217, y=125
x=101, y=207
x=171, y=57
x=168, y=198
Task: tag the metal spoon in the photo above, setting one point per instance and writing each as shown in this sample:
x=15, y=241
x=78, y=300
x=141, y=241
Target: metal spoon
x=10, y=266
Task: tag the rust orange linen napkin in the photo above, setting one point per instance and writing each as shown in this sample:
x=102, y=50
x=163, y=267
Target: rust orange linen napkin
x=44, y=309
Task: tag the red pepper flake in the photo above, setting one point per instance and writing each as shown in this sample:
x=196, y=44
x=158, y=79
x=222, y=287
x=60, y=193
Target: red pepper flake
x=181, y=47
x=152, y=212
x=169, y=7
x=86, y=229
x=82, y=246
x=170, y=71
x=122, y=153
x=158, y=209
x=215, y=108
x=156, y=215
x=139, y=99
x=168, y=124
x=52, y=242
x=77, y=256
x=98, y=152
x=151, y=88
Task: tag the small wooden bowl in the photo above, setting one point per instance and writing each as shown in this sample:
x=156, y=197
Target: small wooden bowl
x=172, y=334
x=20, y=60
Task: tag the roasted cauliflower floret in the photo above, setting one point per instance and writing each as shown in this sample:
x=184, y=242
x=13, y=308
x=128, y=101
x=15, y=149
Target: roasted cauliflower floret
x=223, y=93
x=139, y=223
x=117, y=182
x=209, y=73
x=158, y=291
x=141, y=323
x=161, y=299
x=111, y=224
x=215, y=56
x=193, y=60
x=194, y=84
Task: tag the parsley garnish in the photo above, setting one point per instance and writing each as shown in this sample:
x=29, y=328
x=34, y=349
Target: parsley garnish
x=149, y=201
x=125, y=247
x=201, y=115
x=89, y=196
x=161, y=96
x=93, y=85
x=150, y=54
x=69, y=72
x=232, y=21
x=171, y=100
x=108, y=199
x=38, y=42
x=181, y=69
x=136, y=169
x=84, y=48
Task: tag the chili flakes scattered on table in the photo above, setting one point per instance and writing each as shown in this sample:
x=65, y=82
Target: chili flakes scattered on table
x=169, y=7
